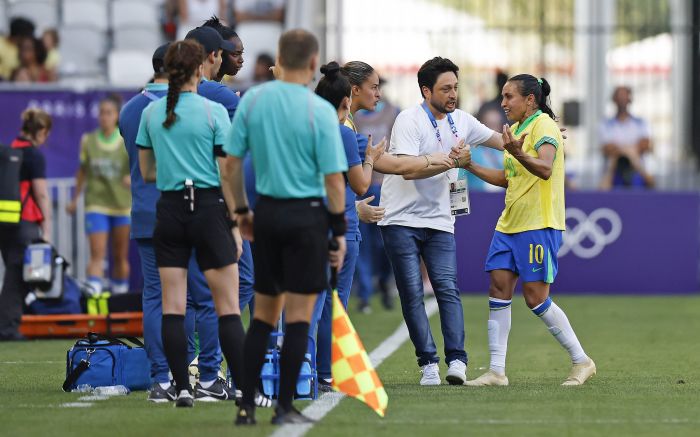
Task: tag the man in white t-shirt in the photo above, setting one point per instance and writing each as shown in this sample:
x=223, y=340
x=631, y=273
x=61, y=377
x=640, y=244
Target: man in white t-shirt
x=418, y=223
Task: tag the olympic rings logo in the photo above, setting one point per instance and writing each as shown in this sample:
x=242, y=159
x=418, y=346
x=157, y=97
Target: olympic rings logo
x=588, y=227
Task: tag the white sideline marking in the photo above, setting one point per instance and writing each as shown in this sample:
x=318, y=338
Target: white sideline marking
x=326, y=402
x=91, y=398
x=76, y=405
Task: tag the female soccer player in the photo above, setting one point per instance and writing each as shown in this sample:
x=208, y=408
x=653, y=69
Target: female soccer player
x=183, y=134
x=336, y=89
x=529, y=231
x=104, y=174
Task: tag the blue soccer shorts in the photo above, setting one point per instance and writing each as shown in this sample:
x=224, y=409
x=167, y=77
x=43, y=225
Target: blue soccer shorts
x=97, y=222
x=532, y=255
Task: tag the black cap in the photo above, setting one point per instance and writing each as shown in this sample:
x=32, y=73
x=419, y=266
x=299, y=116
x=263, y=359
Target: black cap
x=158, y=59
x=210, y=39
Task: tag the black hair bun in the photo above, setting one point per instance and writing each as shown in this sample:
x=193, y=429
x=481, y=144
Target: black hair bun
x=331, y=69
x=546, y=89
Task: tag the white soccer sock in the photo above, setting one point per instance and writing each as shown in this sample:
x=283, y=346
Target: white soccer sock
x=558, y=325
x=207, y=384
x=499, y=328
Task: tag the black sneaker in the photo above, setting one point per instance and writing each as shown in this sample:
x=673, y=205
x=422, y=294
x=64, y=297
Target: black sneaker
x=324, y=386
x=245, y=416
x=261, y=400
x=387, y=298
x=291, y=417
x=159, y=394
x=218, y=391
x=185, y=399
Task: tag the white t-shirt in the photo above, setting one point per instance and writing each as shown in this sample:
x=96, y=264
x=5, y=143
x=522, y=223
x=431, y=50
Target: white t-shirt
x=425, y=203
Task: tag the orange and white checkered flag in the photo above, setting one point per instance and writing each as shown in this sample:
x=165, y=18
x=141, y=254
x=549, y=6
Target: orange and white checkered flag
x=353, y=373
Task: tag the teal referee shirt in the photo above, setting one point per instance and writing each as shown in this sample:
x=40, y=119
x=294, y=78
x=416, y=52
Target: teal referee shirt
x=186, y=150
x=293, y=138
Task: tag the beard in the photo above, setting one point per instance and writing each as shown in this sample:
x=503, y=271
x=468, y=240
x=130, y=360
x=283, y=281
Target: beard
x=442, y=108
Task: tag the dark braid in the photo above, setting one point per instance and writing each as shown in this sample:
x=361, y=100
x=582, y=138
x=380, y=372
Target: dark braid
x=181, y=62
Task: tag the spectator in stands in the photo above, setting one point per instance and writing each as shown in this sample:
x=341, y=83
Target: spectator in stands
x=35, y=219
x=20, y=29
x=51, y=41
x=192, y=13
x=625, y=139
x=32, y=58
x=104, y=173
x=259, y=23
x=263, y=65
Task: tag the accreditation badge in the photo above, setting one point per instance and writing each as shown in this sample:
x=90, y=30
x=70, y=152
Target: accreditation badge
x=459, y=192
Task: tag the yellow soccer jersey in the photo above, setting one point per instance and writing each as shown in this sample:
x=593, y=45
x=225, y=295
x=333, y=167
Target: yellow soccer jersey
x=350, y=123
x=533, y=203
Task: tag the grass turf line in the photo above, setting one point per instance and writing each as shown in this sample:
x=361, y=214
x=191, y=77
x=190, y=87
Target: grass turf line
x=643, y=347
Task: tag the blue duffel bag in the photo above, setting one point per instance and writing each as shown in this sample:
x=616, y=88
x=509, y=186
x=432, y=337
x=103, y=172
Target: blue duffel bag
x=102, y=361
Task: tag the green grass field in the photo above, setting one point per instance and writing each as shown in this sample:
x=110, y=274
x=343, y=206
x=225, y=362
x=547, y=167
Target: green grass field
x=648, y=383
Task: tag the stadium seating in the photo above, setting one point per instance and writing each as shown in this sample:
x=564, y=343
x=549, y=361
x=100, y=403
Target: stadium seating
x=86, y=13
x=144, y=38
x=129, y=68
x=44, y=13
x=82, y=50
x=134, y=13
x=3, y=18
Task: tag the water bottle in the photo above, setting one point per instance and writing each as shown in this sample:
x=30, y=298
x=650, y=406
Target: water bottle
x=111, y=390
x=268, y=370
x=82, y=388
x=304, y=380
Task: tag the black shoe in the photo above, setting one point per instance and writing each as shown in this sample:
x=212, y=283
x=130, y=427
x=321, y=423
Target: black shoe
x=291, y=417
x=245, y=416
x=324, y=386
x=159, y=394
x=185, y=399
x=261, y=400
x=218, y=391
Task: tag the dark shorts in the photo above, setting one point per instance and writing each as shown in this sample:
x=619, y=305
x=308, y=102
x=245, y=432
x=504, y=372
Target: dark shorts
x=207, y=230
x=291, y=246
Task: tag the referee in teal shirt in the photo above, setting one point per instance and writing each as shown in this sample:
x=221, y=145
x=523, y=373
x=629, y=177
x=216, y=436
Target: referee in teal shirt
x=182, y=136
x=298, y=157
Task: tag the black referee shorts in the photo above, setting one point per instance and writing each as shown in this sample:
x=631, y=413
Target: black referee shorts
x=291, y=246
x=207, y=230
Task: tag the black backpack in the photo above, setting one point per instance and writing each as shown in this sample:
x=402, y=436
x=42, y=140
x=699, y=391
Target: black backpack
x=11, y=203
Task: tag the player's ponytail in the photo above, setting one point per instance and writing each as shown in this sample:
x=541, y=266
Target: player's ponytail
x=182, y=60
x=333, y=86
x=540, y=88
x=34, y=120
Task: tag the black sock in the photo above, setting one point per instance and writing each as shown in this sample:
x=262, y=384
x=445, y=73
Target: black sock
x=231, y=338
x=254, y=349
x=293, y=351
x=175, y=348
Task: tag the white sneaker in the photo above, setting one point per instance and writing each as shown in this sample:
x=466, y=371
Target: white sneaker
x=431, y=374
x=456, y=373
x=581, y=373
x=488, y=378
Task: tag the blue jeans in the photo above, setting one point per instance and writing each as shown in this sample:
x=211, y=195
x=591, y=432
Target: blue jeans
x=405, y=247
x=323, y=312
x=199, y=304
x=245, y=279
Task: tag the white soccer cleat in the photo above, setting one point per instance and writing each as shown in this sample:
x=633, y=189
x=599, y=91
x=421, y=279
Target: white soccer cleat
x=431, y=374
x=581, y=373
x=488, y=378
x=456, y=373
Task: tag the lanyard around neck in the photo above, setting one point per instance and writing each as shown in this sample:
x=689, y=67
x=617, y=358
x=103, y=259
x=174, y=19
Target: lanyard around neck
x=431, y=117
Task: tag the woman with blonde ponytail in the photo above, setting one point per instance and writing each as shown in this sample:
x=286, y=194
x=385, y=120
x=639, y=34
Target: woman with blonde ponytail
x=182, y=136
x=34, y=219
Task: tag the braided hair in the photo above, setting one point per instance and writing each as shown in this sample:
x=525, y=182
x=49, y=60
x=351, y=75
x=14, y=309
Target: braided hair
x=333, y=86
x=529, y=84
x=181, y=62
x=357, y=72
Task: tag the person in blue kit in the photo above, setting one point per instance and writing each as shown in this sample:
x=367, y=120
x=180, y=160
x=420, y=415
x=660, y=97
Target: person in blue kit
x=183, y=135
x=219, y=42
x=336, y=89
x=143, y=218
